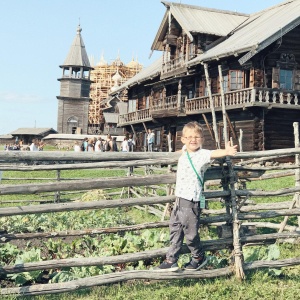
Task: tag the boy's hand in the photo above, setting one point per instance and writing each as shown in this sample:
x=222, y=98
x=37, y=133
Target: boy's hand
x=231, y=150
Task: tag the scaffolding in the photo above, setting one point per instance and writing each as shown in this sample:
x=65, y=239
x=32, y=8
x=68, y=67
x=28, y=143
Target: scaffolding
x=105, y=79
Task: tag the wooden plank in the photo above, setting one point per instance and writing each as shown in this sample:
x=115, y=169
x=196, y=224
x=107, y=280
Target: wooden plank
x=212, y=107
x=230, y=125
x=133, y=257
x=99, y=280
x=208, y=127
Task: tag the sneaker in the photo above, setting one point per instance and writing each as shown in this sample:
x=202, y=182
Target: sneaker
x=167, y=266
x=196, y=264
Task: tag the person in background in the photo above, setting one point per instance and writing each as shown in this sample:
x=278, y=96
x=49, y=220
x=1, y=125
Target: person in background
x=114, y=144
x=99, y=145
x=90, y=146
x=41, y=146
x=108, y=143
x=77, y=147
x=124, y=145
x=16, y=147
x=150, y=140
x=184, y=221
x=84, y=144
x=131, y=143
x=34, y=145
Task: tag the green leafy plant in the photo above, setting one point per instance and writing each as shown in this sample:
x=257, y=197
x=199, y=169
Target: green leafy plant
x=32, y=255
x=272, y=252
x=8, y=253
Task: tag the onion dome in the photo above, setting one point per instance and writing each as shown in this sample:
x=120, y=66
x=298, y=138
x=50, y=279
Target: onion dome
x=133, y=64
x=117, y=77
x=117, y=62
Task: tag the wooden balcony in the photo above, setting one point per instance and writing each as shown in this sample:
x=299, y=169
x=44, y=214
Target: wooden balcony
x=244, y=98
x=139, y=116
x=173, y=67
x=240, y=99
x=167, y=107
x=160, y=108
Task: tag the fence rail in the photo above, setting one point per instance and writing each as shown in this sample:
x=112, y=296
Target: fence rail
x=245, y=213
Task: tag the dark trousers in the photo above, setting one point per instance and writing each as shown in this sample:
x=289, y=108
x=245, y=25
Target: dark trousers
x=184, y=223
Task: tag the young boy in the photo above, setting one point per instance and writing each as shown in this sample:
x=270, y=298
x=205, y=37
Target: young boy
x=184, y=221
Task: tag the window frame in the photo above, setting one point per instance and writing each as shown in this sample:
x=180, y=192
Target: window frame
x=283, y=85
x=239, y=83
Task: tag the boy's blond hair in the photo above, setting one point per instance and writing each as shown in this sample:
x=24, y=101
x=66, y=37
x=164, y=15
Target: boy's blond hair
x=193, y=125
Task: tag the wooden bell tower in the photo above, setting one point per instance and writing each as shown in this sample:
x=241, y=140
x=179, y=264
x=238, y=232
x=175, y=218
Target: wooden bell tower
x=73, y=101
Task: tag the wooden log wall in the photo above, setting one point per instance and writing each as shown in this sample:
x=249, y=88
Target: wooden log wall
x=250, y=124
x=280, y=136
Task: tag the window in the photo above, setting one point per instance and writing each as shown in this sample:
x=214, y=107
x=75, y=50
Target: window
x=191, y=50
x=147, y=102
x=236, y=80
x=72, y=124
x=131, y=106
x=286, y=79
x=225, y=83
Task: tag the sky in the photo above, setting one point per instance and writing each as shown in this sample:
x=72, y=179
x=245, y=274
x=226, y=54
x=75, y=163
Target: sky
x=36, y=36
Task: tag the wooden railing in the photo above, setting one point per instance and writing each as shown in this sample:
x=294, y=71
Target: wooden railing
x=135, y=116
x=172, y=64
x=276, y=96
x=170, y=102
x=243, y=97
x=233, y=99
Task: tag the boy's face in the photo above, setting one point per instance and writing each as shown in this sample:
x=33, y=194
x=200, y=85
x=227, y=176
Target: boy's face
x=192, y=139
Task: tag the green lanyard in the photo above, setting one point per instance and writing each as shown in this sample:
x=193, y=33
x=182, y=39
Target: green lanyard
x=199, y=178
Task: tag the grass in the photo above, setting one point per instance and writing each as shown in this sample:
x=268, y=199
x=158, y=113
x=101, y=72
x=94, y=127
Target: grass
x=259, y=284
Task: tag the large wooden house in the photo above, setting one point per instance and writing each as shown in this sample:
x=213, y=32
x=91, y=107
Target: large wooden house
x=251, y=62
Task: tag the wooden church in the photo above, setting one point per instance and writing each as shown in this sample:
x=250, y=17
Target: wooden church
x=219, y=65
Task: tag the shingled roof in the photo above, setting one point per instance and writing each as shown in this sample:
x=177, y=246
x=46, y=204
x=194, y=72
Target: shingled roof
x=33, y=131
x=259, y=31
x=253, y=33
x=77, y=55
x=195, y=19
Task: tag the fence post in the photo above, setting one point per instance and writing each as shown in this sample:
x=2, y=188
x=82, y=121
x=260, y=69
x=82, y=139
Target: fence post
x=297, y=163
x=238, y=253
x=57, y=194
x=169, y=191
x=296, y=198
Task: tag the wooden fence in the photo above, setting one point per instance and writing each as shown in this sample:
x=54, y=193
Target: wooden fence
x=240, y=212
